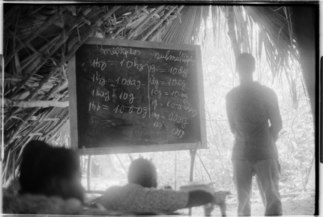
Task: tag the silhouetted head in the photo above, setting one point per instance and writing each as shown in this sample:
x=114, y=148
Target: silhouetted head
x=245, y=64
x=50, y=171
x=143, y=172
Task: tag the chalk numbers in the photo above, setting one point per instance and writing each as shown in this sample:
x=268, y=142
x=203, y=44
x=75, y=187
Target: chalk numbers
x=178, y=132
x=138, y=110
x=167, y=109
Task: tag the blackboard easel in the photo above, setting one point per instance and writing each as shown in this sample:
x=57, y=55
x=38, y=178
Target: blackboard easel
x=194, y=81
x=159, y=51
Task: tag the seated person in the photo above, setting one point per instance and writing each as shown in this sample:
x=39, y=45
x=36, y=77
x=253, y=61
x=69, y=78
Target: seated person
x=140, y=195
x=50, y=182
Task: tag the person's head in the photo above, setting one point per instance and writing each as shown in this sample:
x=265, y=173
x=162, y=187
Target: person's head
x=50, y=171
x=245, y=64
x=143, y=172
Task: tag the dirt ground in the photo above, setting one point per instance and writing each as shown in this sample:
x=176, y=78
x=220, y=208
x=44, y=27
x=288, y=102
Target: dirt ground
x=302, y=204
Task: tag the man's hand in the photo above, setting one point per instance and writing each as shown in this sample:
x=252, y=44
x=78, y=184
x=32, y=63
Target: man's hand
x=220, y=196
x=219, y=200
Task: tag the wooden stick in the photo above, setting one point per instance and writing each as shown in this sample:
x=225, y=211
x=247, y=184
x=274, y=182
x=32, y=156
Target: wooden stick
x=27, y=117
x=41, y=83
x=159, y=23
x=145, y=21
x=152, y=38
x=46, y=24
x=48, y=46
x=207, y=172
x=99, y=22
x=88, y=173
x=53, y=72
x=87, y=33
x=52, y=132
x=191, y=177
x=31, y=104
x=122, y=28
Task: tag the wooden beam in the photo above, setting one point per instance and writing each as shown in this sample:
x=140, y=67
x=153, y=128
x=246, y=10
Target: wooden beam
x=31, y=104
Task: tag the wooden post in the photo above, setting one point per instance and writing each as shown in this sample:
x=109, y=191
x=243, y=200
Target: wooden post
x=14, y=165
x=175, y=170
x=192, y=154
x=88, y=173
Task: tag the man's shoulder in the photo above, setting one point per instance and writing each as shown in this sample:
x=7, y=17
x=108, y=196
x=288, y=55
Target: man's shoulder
x=267, y=91
x=232, y=92
x=256, y=87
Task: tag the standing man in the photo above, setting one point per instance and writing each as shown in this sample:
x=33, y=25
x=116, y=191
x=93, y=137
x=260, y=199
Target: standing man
x=255, y=121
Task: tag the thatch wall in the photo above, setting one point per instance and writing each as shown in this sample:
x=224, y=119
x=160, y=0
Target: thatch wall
x=39, y=40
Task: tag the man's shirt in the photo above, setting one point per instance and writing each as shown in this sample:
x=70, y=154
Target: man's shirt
x=133, y=198
x=254, y=120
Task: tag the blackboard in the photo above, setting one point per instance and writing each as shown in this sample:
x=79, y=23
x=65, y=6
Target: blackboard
x=134, y=96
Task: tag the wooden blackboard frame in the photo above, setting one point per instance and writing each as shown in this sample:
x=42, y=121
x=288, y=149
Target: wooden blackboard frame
x=138, y=148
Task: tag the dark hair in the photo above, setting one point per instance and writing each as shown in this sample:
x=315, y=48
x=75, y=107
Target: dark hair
x=142, y=172
x=41, y=163
x=245, y=63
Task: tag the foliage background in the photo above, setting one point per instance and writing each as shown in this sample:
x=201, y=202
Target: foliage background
x=46, y=40
x=213, y=165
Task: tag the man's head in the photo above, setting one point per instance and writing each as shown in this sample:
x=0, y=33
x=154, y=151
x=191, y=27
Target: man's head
x=50, y=171
x=143, y=172
x=245, y=64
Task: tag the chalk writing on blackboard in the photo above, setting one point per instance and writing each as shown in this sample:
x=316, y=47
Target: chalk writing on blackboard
x=136, y=95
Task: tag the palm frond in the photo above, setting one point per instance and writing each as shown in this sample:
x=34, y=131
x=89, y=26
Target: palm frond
x=40, y=39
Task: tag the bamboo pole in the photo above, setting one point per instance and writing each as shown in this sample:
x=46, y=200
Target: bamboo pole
x=32, y=70
x=31, y=104
x=46, y=24
x=51, y=133
x=62, y=62
x=72, y=52
x=28, y=139
x=159, y=23
x=121, y=164
x=191, y=175
x=87, y=32
x=88, y=172
x=110, y=12
x=175, y=170
x=42, y=82
x=90, y=32
x=152, y=38
x=145, y=21
x=122, y=28
x=46, y=79
x=27, y=117
x=53, y=43
x=207, y=172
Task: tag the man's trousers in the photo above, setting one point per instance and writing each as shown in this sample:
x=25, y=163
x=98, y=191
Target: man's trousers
x=267, y=174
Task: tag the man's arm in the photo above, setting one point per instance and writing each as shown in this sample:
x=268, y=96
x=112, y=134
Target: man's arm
x=230, y=114
x=198, y=198
x=274, y=116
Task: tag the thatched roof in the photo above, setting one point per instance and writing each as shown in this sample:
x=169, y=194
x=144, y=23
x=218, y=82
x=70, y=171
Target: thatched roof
x=39, y=40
